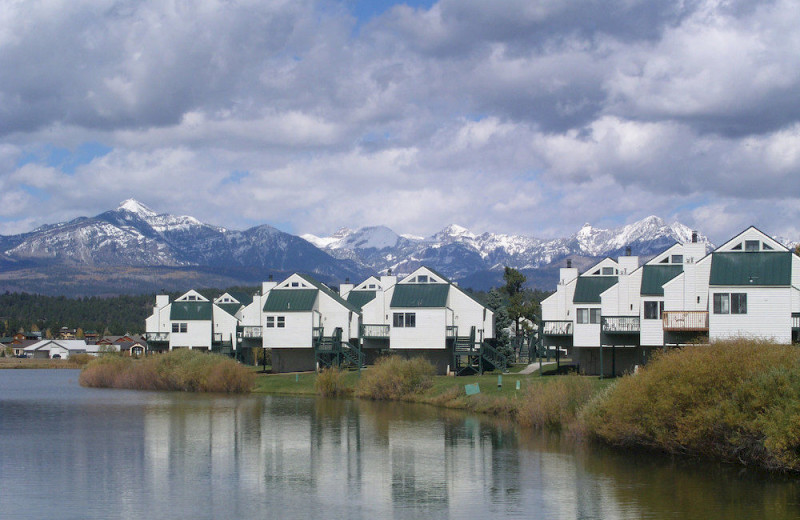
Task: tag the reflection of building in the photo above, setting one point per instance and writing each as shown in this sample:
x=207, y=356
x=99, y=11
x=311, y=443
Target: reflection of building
x=615, y=313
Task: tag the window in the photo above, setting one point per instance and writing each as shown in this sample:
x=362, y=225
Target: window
x=295, y=284
x=766, y=247
x=281, y=322
x=738, y=303
x=751, y=245
x=737, y=247
x=653, y=310
x=179, y=327
x=423, y=278
x=371, y=286
x=191, y=297
x=608, y=271
x=404, y=319
x=270, y=322
x=730, y=303
x=588, y=316
x=722, y=303
x=677, y=259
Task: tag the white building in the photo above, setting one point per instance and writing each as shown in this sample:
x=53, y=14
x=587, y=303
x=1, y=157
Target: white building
x=613, y=315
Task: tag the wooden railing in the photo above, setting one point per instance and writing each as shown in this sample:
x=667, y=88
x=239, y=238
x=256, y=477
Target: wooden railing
x=156, y=337
x=374, y=330
x=216, y=337
x=685, y=320
x=557, y=328
x=620, y=324
x=251, y=331
x=451, y=331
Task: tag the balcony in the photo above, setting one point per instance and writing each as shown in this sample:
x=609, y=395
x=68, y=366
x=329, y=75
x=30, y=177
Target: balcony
x=557, y=328
x=156, y=337
x=216, y=337
x=374, y=331
x=451, y=331
x=620, y=324
x=685, y=321
x=251, y=331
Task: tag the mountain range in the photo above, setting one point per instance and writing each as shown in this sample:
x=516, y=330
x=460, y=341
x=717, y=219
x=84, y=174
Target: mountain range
x=134, y=249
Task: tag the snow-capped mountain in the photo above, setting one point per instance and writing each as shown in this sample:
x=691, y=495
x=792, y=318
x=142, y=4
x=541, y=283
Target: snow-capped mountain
x=129, y=244
x=459, y=253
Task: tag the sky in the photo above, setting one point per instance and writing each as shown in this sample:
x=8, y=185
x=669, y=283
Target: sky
x=522, y=116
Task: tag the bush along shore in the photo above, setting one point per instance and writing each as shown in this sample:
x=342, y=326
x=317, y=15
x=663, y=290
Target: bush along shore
x=735, y=401
x=183, y=369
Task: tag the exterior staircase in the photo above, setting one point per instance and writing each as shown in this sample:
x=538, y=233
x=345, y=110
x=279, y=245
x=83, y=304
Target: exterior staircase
x=332, y=351
x=475, y=356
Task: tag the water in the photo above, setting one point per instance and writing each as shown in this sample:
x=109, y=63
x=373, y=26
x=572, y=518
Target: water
x=69, y=452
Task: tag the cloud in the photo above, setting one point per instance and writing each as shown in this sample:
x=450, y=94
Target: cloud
x=525, y=117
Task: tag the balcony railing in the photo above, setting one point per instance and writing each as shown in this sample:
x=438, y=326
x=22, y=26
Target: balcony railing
x=685, y=320
x=452, y=331
x=216, y=337
x=251, y=331
x=369, y=330
x=557, y=328
x=156, y=337
x=620, y=324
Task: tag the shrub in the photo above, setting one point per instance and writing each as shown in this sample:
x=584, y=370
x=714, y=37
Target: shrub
x=183, y=369
x=555, y=404
x=393, y=377
x=735, y=400
x=330, y=382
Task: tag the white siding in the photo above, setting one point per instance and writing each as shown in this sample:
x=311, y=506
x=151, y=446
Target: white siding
x=468, y=313
x=768, y=315
x=198, y=334
x=296, y=333
x=652, y=331
x=429, y=332
x=334, y=314
x=225, y=324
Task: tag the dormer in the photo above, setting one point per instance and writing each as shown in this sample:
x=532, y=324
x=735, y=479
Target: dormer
x=295, y=281
x=606, y=267
x=191, y=296
x=370, y=284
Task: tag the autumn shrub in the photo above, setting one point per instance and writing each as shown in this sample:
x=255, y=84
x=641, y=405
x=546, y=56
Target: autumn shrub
x=184, y=370
x=555, y=404
x=735, y=400
x=393, y=377
x=330, y=382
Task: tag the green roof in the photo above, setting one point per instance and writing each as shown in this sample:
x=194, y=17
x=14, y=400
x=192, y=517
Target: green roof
x=330, y=292
x=190, y=311
x=751, y=268
x=360, y=298
x=291, y=300
x=654, y=276
x=588, y=288
x=230, y=308
x=242, y=297
x=420, y=295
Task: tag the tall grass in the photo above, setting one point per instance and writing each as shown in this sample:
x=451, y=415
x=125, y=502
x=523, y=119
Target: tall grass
x=555, y=405
x=735, y=400
x=330, y=382
x=184, y=370
x=395, y=378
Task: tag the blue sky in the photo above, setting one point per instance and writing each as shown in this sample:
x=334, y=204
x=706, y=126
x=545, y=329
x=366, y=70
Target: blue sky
x=523, y=116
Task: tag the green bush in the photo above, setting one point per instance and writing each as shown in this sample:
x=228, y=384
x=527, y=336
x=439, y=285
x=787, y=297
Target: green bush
x=184, y=369
x=393, y=378
x=735, y=400
x=330, y=382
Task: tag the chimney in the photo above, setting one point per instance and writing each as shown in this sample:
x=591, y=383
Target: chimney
x=345, y=288
x=569, y=263
x=628, y=251
x=694, y=237
x=269, y=278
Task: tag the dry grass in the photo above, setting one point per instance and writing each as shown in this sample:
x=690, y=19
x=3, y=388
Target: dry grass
x=394, y=378
x=555, y=405
x=184, y=370
x=331, y=382
x=735, y=400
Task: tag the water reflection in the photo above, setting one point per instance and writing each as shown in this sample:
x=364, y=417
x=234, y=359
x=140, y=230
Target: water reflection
x=68, y=452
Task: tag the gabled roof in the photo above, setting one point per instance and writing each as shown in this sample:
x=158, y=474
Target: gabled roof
x=442, y=278
x=291, y=300
x=420, y=295
x=751, y=268
x=191, y=311
x=654, y=276
x=360, y=298
x=230, y=308
x=197, y=296
x=589, y=288
x=328, y=291
x=241, y=297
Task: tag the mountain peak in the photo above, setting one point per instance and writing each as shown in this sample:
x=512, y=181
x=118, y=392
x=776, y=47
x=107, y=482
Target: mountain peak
x=134, y=206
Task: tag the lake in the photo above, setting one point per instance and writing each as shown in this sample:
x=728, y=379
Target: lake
x=70, y=452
